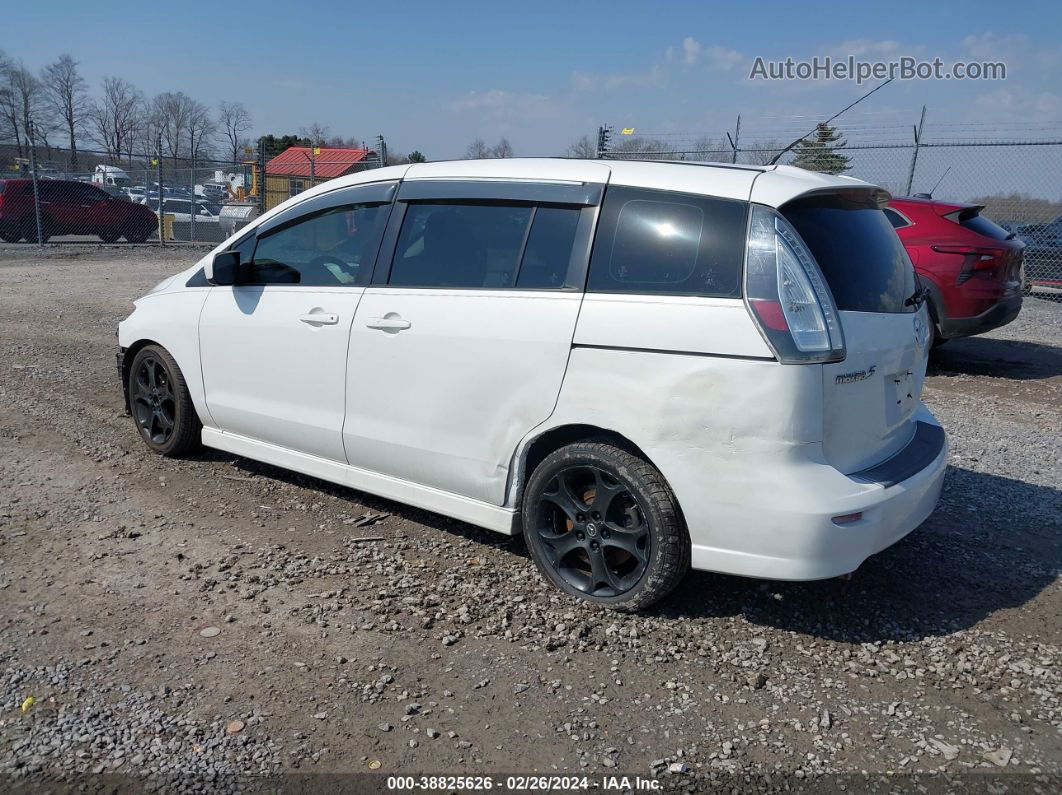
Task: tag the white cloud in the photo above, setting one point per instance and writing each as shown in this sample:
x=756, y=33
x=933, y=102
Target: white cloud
x=586, y=81
x=1008, y=103
x=992, y=46
x=858, y=48
x=691, y=49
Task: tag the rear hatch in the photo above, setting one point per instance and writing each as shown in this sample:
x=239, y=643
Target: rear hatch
x=870, y=398
x=992, y=256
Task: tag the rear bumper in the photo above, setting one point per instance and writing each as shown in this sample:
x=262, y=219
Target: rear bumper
x=997, y=315
x=795, y=538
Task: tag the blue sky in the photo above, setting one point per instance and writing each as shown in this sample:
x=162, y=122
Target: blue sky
x=433, y=76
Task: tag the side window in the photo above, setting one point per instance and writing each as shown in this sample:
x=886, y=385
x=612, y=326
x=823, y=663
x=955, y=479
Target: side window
x=652, y=241
x=246, y=249
x=897, y=220
x=332, y=248
x=484, y=245
x=460, y=245
x=549, y=248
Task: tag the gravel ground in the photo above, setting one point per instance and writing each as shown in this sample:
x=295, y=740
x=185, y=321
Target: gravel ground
x=214, y=618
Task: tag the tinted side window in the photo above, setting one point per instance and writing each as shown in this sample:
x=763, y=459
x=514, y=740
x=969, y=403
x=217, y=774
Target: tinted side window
x=986, y=227
x=652, y=241
x=331, y=248
x=897, y=220
x=460, y=245
x=860, y=255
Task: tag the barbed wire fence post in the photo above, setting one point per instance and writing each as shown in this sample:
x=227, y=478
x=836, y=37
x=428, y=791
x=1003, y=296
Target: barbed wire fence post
x=914, y=154
x=36, y=186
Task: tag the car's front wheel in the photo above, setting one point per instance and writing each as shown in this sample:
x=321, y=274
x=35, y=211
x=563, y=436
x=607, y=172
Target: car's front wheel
x=160, y=403
x=138, y=234
x=602, y=525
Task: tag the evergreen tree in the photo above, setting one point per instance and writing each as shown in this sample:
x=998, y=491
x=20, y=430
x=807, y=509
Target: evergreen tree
x=820, y=152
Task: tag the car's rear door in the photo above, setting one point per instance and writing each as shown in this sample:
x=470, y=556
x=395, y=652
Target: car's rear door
x=274, y=346
x=459, y=347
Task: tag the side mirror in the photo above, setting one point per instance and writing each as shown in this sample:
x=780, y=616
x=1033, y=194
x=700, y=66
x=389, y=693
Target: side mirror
x=224, y=268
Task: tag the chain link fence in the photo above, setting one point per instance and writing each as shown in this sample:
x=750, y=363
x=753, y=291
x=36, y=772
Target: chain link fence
x=1019, y=182
x=56, y=196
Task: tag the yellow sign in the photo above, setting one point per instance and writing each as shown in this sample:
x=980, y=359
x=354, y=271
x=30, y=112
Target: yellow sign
x=627, y=131
x=248, y=150
x=154, y=161
x=316, y=151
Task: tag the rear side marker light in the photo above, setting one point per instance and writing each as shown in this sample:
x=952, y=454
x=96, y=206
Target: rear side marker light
x=848, y=518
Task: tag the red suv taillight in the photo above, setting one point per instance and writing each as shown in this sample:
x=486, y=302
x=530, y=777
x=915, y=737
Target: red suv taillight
x=977, y=258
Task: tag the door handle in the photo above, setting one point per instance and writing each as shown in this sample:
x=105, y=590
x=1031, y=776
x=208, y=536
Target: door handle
x=390, y=322
x=320, y=319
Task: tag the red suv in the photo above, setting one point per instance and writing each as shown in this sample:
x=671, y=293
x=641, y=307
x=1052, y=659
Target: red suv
x=70, y=208
x=970, y=266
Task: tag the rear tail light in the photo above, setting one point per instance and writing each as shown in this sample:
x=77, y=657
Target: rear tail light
x=977, y=258
x=787, y=293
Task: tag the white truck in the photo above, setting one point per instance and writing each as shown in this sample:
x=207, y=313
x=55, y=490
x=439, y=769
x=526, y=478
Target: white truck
x=110, y=177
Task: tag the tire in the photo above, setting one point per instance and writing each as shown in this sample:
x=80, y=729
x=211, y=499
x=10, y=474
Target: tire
x=109, y=237
x=29, y=231
x=10, y=235
x=602, y=525
x=160, y=404
x=138, y=234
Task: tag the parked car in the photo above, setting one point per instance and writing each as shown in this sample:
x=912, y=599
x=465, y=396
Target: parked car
x=212, y=191
x=970, y=266
x=70, y=208
x=641, y=366
x=1043, y=253
x=181, y=210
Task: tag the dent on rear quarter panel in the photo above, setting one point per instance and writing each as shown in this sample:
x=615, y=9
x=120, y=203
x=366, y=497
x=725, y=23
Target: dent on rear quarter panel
x=708, y=423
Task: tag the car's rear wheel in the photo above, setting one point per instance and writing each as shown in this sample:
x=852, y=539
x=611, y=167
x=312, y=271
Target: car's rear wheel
x=160, y=403
x=29, y=231
x=602, y=525
x=138, y=234
x=10, y=235
x=109, y=237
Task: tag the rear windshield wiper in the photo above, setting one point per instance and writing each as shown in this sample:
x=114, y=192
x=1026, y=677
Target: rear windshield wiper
x=918, y=297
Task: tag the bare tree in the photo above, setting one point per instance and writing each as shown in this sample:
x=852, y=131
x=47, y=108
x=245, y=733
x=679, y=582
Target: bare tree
x=201, y=131
x=583, y=148
x=707, y=148
x=173, y=111
x=760, y=153
x=234, y=119
x=65, y=92
x=9, y=115
x=477, y=150
x=31, y=113
x=316, y=133
x=502, y=149
x=116, y=115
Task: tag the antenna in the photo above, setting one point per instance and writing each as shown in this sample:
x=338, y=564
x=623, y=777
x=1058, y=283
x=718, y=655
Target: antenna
x=774, y=160
x=934, y=189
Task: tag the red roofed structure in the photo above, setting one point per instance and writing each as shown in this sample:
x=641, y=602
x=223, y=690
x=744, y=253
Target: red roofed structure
x=298, y=168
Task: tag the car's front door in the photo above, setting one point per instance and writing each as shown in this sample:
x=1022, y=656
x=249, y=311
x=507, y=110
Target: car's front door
x=465, y=334
x=274, y=346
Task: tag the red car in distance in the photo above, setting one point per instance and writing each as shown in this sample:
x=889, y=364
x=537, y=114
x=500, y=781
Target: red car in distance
x=970, y=266
x=70, y=208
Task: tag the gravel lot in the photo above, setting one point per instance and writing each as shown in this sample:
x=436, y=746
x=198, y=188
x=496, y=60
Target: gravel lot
x=213, y=618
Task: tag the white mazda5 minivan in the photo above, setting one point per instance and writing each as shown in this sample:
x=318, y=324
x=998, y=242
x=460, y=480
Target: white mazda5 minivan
x=640, y=366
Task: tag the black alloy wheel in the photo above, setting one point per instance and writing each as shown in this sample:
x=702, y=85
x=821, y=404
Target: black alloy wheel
x=594, y=532
x=153, y=401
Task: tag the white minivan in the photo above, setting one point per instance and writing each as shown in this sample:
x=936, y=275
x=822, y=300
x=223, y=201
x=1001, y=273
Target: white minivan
x=640, y=366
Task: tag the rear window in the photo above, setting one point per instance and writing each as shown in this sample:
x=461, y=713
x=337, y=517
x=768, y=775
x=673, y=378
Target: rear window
x=979, y=224
x=858, y=251
x=652, y=241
